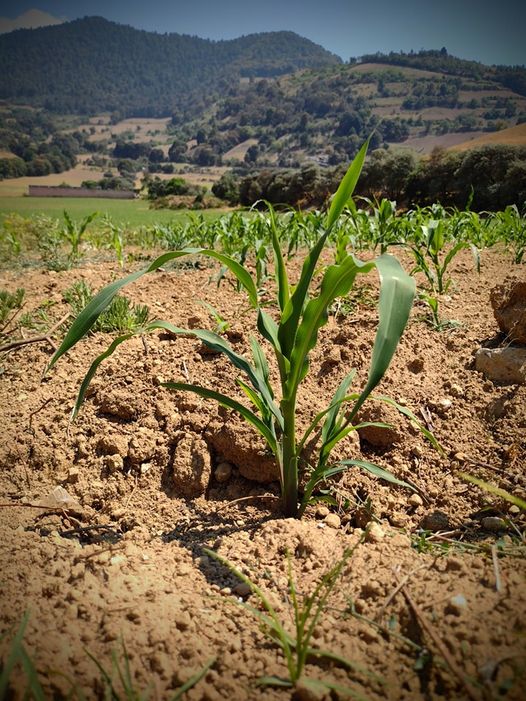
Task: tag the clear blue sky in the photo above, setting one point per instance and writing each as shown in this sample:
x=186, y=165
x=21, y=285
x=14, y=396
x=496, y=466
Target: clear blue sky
x=483, y=30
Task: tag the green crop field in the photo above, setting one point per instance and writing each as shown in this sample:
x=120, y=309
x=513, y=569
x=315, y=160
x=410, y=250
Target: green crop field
x=131, y=212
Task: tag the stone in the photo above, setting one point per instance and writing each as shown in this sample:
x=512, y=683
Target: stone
x=333, y=521
x=509, y=308
x=494, y=524
x=435, y=521
x=303, y=691
x=322, y=511
x=416, y=500
x=375, y=533
x=242, y=589
x=223, y=472
x=457, y=605
x=504, y=365
x=73, y=475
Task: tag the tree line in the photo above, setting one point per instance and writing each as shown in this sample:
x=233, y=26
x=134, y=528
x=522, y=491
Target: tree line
x=487, y=178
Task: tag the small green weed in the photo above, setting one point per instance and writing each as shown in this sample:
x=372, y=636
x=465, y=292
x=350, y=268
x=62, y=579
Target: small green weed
x=122, y=316
x=297, y=648
x=122, y=671
x=10, y=304
x=122, y=688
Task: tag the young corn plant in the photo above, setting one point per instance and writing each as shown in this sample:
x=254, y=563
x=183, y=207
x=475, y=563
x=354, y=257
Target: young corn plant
x=302, y=311
x=73, y=233
x=297, y=647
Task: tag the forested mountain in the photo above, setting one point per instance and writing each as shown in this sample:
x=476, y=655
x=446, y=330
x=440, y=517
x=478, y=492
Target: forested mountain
x=92, y=65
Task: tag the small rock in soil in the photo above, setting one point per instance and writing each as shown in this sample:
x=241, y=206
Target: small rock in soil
x=415, y=500
x=375, y=533
x=505, y=365
x=457, y=605
x=494, y=524
x=302, y=692
x=223, y=472
x=435, y=521
x=333, y=521
x=242, y=589
x=322, y=511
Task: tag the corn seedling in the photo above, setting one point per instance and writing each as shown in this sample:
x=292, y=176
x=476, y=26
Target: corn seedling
x=73, y=233
x=222, y=324
x=16, y=656
x=122, y=670
x=429, y=251
x=303, y=311
x=121, y=689
x=297, y=647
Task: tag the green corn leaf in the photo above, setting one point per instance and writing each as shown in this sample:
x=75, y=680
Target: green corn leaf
x=103, y=299
x=260, y=362
x=337, y=281
x=281, y=272
x=230, y=404
x=293, y=309
x=37, y=693
x=220, y=345
x=253, y=396
x=93, y=369
x=13, y=656
x=410, y=415
x=373, y=469
x=335, y=406
x=397, y=292
x=316, y=420
x=277, y=682
x=347, y=185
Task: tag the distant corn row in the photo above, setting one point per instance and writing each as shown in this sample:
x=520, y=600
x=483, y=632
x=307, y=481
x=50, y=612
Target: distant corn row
x=369, y=225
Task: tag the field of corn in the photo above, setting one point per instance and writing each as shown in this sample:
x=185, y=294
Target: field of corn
x=252, y=457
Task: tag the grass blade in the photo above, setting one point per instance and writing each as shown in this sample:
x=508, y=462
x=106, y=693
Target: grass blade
x=193, y=680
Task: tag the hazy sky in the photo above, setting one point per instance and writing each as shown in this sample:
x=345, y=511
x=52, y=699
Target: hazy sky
x=491, y=31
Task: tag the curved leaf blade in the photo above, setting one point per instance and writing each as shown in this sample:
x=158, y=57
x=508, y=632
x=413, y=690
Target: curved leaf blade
x=229, y=404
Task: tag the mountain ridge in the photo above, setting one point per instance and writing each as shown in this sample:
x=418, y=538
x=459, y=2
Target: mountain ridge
x=98, y=65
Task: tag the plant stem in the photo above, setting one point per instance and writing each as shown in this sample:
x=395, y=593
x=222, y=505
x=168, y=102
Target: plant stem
x=290, y=458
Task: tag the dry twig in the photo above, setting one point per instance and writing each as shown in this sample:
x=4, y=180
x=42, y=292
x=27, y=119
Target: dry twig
x=36, y=339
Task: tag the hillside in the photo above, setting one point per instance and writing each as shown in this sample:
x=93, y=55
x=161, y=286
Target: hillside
x=513, y=136
x=325, y=114
x=97, y=65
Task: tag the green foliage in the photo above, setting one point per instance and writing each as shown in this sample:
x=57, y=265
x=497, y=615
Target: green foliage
x=10, y=301
x=297, y=648
x=18, y=655
x=118, y=683
x=302, y=312
x=502, y=493
x=121, y=316
x=102, y=52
